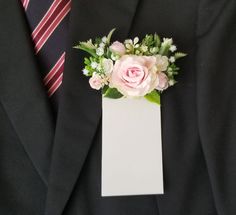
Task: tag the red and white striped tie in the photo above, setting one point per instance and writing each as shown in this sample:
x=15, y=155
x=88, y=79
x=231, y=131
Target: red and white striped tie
x=48, y=21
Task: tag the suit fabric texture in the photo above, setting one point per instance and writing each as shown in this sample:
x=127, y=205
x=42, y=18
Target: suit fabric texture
x=53, y=167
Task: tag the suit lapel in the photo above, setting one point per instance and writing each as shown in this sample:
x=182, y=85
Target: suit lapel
x=80, y=108
x=21, y=91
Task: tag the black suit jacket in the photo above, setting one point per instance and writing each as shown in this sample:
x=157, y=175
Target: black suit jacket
x=54, y=168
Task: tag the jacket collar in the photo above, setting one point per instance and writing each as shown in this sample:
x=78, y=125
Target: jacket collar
x=21, y=91
x=80, y=108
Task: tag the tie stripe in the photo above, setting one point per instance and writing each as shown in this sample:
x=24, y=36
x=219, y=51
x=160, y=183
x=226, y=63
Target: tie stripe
x=53, y=79
x=46, y=17
x=44, y=30
x=25, y=4
x=48, y=21
x=55, y=86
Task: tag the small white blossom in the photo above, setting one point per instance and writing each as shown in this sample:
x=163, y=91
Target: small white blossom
x=136, y=39
x=107, y=65
x=154, y=50
x=100, y=51
x=173, y=48
x=102, y=45
x=85, y=72
x=171, y=82
x=162, y=63
x=104, y=39
x=114, y=57
x=128, y=46
x=144, y=48
x=172, y=59
x=167, y=41
x=129, y=41
x=94, y=65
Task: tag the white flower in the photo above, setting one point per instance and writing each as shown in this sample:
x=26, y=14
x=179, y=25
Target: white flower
x=154, y=50
x=136, y=39
x=171, y=82
x=128, y=41
x=172, y=59
x=100, y=51
x=162, y=63
x=94, y=65
x=104, y=39
x=107, y=65
x=144, y=48
x=173, y=48
x=85, y=72
x=102, y=45
x=167, y=41
x=114, y=56
x=128, y=46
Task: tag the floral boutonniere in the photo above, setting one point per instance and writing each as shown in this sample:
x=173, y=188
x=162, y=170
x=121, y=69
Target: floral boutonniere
x=134, y=68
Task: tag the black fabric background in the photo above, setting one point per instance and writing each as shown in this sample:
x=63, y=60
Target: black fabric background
x=48, y=169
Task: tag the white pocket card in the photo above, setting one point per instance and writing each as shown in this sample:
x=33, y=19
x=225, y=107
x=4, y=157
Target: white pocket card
x=131, y=148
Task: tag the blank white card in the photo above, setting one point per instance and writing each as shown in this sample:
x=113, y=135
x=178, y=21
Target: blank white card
x=131, y=148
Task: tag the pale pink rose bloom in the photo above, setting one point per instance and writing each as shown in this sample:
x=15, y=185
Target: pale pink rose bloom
x=96, y=82
x=162, y=81
x=118, y=48
x=162, y=63
x=133, y=75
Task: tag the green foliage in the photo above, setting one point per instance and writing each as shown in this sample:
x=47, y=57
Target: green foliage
x=98, y=40
x=172, y=71
x=154, y=97
x=164, y=50
x=157, y=40
x=104, y=89
x=150, y=45
x=148, y=40
x=85, y=47
x=110, y=35
x=112, y=93
x=179, y=55
x=87, y=62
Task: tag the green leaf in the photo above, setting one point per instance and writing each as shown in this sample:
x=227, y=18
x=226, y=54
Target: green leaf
x=112, y=93
x=179, y=55
x=84, y=48
x=104, y=89
x=98, y=40
x=164, y=50
x=148, y=40
x=154, y=97
x=157, y=40
x=109, y=35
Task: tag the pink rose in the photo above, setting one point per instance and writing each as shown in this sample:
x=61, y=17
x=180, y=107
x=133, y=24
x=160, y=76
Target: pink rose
x=96, y=82
x=162, y=81
x=118, y=48
x=134, y=75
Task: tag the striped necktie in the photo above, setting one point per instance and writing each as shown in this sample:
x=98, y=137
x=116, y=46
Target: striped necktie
x=48, y=22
